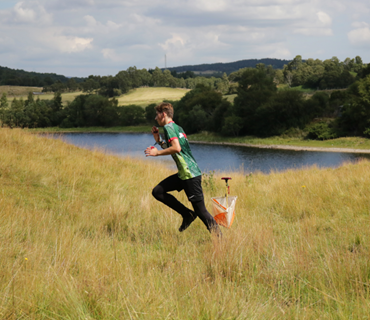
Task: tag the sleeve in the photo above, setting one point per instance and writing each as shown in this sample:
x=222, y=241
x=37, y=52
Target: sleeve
x=170, y=134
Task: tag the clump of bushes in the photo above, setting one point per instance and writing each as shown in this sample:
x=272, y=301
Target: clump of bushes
x=321, y=131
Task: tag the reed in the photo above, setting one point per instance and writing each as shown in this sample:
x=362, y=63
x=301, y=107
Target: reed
x=81, y=237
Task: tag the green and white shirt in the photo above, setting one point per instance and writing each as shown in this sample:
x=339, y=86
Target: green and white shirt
x=185, y=162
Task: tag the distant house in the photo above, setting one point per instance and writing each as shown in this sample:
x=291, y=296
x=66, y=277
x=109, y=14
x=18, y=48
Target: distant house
x=37, y=93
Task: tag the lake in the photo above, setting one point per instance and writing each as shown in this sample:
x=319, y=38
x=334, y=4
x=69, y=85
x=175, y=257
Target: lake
x=212, y=157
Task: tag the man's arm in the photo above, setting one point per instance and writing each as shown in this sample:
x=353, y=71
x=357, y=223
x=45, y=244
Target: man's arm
x=154, y=152
x=155, y=133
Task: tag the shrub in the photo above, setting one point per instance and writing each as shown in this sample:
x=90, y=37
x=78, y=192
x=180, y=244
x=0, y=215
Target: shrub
x=150, y=113
x=131, y=115
x=321, y=131
x=232, y=126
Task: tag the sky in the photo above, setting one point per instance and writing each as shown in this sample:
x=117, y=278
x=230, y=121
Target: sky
x=102, y=37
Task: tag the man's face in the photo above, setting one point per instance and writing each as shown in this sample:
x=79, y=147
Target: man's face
x=160, y=118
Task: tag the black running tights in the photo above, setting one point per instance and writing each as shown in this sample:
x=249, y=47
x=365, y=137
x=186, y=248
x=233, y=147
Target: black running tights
x=160, y=192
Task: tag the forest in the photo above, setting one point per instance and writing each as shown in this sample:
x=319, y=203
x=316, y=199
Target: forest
x=267, y=102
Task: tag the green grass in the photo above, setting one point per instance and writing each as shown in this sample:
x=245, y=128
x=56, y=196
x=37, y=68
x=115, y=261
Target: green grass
x=22, y=92
x=230, y=97
x=140, y=96
x=146, y=96
x=66, y=97
x=349, y=142
x=18, y=91
x=298, y=88
x=81, y=237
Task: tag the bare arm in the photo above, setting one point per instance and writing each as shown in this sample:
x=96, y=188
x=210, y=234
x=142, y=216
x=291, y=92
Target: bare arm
x=154, y=152
x=155, y=133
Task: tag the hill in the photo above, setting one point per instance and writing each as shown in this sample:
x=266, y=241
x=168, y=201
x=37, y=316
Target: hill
x=82, y=238
x=146, y=96
x=229, y=67
x=19, y=77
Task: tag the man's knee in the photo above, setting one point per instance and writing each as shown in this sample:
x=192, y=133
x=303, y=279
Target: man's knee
x=157, y=192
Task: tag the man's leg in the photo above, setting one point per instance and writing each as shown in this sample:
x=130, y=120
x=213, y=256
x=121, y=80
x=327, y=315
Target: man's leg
x=194, y=191
x=160, y=192
x=203, y=214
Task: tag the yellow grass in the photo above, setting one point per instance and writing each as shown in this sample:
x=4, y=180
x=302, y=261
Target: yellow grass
x=146, y=96
x=81, y=237
x=140, y=96
x=22, y=92
x=66, y=97
x=230, y=97
x=16, y=91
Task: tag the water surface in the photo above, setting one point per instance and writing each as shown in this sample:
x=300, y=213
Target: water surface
x=213, y=157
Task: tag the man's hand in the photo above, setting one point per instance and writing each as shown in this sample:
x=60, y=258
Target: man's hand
x=154, y=152
x=151, y=152
x=155, y=133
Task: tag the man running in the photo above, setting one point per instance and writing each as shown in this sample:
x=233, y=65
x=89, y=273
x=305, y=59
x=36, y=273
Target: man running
x=189, y=176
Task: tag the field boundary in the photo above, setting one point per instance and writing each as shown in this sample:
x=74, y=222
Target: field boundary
x=284, y=147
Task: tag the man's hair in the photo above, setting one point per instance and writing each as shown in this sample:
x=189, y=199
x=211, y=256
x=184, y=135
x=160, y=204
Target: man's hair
x=165, y=107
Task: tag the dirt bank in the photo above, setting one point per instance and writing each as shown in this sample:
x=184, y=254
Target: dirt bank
x=282, y=147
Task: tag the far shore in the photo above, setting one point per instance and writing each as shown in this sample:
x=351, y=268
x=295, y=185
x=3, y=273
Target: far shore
x=284, y=147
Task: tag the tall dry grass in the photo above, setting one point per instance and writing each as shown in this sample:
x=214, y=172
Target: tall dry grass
x=82, y=238
x=148, y=95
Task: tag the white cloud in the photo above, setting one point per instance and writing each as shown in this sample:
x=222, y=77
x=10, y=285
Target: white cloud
x=176, y=41
x=314, y=31
x=65, y=44
x=101, y=36
x=361, y=24
x=23, y=14
x=110, y=54
x=281, y=52
x=210, y=5
x=324, y=19
x=69, y=4
x=27, y=12
x=360, y=37
x=94, y=26
x=318, y=24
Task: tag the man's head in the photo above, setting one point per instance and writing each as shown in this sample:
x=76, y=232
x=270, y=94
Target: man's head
x=163, y=109
x=166, y=108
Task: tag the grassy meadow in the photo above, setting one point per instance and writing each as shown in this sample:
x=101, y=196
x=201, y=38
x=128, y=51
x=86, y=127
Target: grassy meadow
x=22, y=92
x=146, y=96
x=139, y=96
x=18, y=91
x=345, y=142
x=81, y=237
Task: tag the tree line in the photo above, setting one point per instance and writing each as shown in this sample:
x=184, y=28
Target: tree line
x=259, y=108
x=310, y=73
x=14, y=77
x=124, y=81
x=230, y=67
x=317, y=74
x=85, y=110
x=313, y=74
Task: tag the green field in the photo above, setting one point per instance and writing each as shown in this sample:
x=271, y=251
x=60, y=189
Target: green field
x=22, y=92
x=81, y=237
x=18, y=91
x=230, y=97
x=140, y=96
x=347, y=142
x=146, y=96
